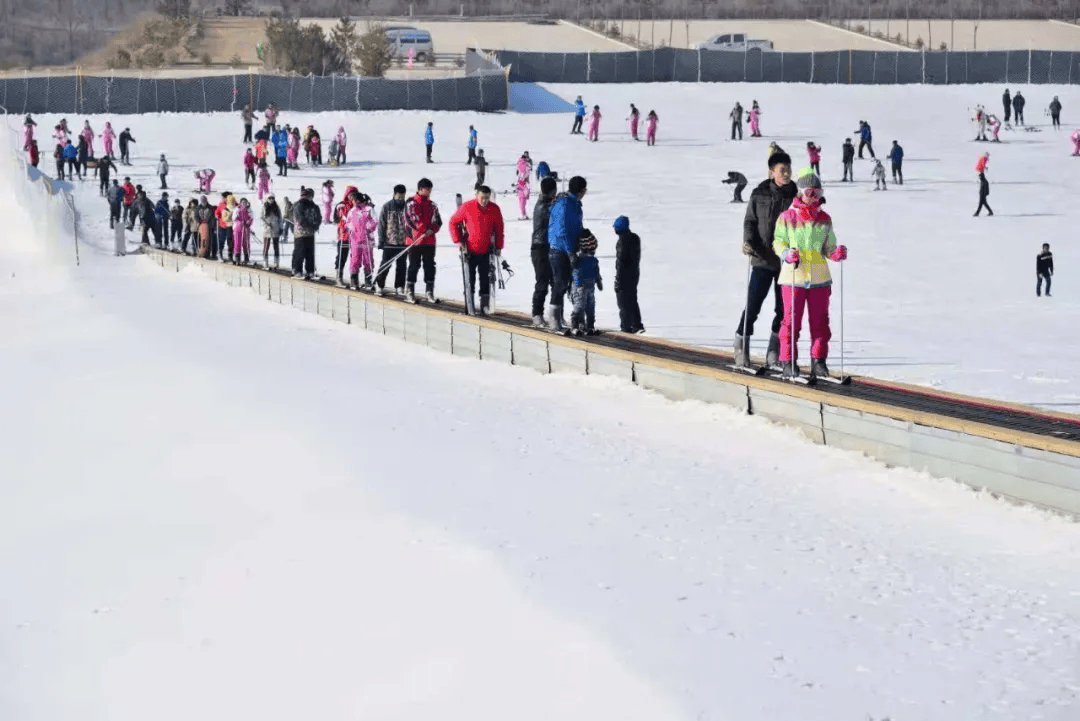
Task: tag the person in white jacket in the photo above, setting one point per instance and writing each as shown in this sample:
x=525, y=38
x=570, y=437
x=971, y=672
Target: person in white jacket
x=163, y=170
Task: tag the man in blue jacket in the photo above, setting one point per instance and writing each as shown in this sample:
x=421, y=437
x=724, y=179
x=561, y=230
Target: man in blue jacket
x=472, y=145
x=865, y=138
x=71, y=155
x=579, y=116
x=896, y=155
x=429, y=140
x=160, y=228
x=565, y=222
x=280, y=139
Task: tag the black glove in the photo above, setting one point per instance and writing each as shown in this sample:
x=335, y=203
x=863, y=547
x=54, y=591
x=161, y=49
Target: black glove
x=599, y=284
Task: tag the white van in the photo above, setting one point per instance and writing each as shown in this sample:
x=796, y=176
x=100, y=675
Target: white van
x=403, y=38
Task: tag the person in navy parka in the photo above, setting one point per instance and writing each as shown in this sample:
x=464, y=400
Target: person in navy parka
x=865, y=139
x=280, y=139
x=429, y=140
x=565, y=222
x=579, y=116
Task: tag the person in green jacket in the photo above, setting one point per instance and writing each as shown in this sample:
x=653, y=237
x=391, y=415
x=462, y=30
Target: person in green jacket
x=803, y=239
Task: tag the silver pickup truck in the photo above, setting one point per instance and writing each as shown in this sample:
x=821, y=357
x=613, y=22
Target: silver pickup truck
x=733, y=41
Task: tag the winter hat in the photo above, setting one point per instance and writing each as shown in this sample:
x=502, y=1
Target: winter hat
x=622, y=224
x=808, y=179
x=588, y=241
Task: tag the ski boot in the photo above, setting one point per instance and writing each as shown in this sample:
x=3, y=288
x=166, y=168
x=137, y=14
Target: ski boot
x=485, y=305
x=556, y=319
x=538, y=321
x=340, y=278
x=742, y=358
x=818, y=369
x=410, y=292
x=354, y=281
x=378, y=290
x=772, y=355
x=369, y=282
x=790, y=370
x=430, y=294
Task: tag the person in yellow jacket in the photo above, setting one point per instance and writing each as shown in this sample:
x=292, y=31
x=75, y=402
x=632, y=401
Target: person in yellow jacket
x=804, y=238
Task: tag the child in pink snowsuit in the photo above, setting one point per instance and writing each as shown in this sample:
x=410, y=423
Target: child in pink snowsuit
x=28, y=133
x=634, y=116
x=61, y=135
x=650, y=128
x=264, y=182
x=814, y=153
x=1076, y=141
x=88, y=135
x=594, y=124
x=755, y=120
x=360, y=225
x=249, y=168
x=205, y=177
x=995, y=127
x=327, y=200
x=524, y=190
x=242, y=220
x=107, y=136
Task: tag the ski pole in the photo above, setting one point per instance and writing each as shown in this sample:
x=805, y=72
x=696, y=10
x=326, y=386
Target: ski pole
x=746, y=310
x=841, y=321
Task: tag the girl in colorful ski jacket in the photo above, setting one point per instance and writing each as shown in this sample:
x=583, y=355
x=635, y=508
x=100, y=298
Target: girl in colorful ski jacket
x=28, y=132
x=650, y=127
x=249, y=168
x=107, y=137
x=594, y=124
x=361, y=226
x=755, y=120
x=980, y=165
x=242, y=220
x=205, y=178
x=327, y=200
x=804, y=238
x=814, y=153
x=264, y=182
x=635, y=115
x=87, y=134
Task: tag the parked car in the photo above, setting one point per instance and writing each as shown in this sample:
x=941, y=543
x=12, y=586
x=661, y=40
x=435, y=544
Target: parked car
x=403, y=38
x=733, y=41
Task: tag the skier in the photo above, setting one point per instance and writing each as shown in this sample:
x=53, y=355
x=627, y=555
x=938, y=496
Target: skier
x=340, y=215
x=224, y=214
x=736, y=120
x=191, y=228
x=542, y=170
x=849, y=161
x=980, y=123
x=866, y=138
x=242, y=220
x=755, y=120
x=471, y=145
x=995, y=127
x=71, y=155
x=393, y=233
x=264, y=182
x=878, y=173
x=804, y=239
x=58, y=156
x=307, y=218
x=579, y=116
x=984, y=184
x=342, y=141
x=316, y=148
x=28, y=132
x=524, y=190
x=125, y=140
x=1006, y=104
x=176, y=224
x=162, y=170
x=287, y=220
x=204, y=217
x=1018, y=108
x=271, y=116
x=767, y=201
x=1044, y=269
x=205, y=178
x=82, y=155
x=627, y=274
x=477, y=229
x=327, y=200
x=1055, y=112
x=814, y=153
x=429, y=140
x=293, y=155
x=249, y=118
x=564, y=226
x=650, y=127
x=129, y=202
x=1075, y=137
x=161, y=222
x=896, y=155
x=361, y=226
x=272, y=224
x=87, y=134
x=260, y=151
x=115, y=195
x=594, y=124
x=107, y=137
x=481, y=166
x=60, y=132
x=739, y=180
x=586, y=281
x=424, y=221
x=280, y=139
x=635, y=115
x=539, y=250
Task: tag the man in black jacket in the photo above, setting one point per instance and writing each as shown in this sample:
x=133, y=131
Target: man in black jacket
x=739, y=179
x=1044, y=269
x=984, y=193
x=771, y=198
x=308, y=221
x=1006, y=105
x=392, y=234
x=627, y=274
x=540, y=249
x=125, y=138
x=1018, y=108
x=849, y=162
x=1055, y=112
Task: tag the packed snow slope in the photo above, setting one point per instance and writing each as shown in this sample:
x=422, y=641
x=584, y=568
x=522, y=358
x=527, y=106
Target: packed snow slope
x=933, y=296
x=218, y=508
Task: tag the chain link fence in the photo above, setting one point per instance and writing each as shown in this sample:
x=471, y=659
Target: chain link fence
x=92, y=94
x=856, y=67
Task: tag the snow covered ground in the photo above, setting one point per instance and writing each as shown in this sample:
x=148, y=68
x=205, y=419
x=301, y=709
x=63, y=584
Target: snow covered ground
x=220, y=508
x=933, y=296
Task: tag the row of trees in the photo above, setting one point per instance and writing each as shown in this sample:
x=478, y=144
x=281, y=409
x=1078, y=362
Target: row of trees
x=307, y=49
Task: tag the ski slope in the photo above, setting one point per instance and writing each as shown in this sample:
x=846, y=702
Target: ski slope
x=219, y=508
x=932, y=296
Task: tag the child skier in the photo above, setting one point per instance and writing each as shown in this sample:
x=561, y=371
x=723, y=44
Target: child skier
x=481, y=166
x=327, y=200
x=804, y=238
x=896, y=155
x=627, y=273
x=579, y=116
x=1044, y=269
x=524, y=190
x=594, y=124
x=87, y=134
x=980, y=123
x=984, y=184
x=995, y=127
x=107, y=137
x=471, y=146
x=361, y=225
x=587, y=281
x=879, y=175
x=1075, y=137
x=293, y=155
x=332, y=153
x=176, y=224
x=635, y=115
x=316, y=149
x=205, y=178
x=163, y=170
x=739, y=180
x=429, y=140
x=264, y=182
x=755, y=120
x=814, y=153
x=849, y=162
x=242, y=220
x=28, y=132
x=650, y=127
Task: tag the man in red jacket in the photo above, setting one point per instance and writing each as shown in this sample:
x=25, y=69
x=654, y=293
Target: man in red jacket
x=482, y=224
x=423, y=219
x=129, y=198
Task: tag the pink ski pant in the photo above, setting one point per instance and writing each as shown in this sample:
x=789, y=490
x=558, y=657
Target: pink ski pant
x=817, y=300
x=633, y=129
x=360, y=253
x=1076, y=146
x=594, y=130
x=326, y=210
x=241, y=241
x=523, y=200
